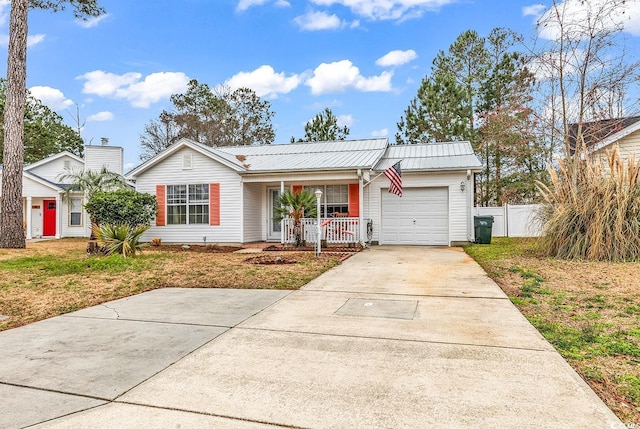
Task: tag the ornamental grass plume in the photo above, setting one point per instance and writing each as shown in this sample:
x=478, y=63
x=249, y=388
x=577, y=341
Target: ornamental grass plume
x=591, y=211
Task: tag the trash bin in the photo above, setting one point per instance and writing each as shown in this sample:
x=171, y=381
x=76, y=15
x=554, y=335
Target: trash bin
x=483, y=226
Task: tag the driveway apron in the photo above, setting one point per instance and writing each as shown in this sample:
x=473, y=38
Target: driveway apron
x=395, y=337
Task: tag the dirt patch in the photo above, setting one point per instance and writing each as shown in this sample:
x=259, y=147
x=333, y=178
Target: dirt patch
x=270, y=260
x=197, y=248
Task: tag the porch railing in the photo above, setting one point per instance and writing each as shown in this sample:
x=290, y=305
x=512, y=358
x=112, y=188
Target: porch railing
x=339, y=230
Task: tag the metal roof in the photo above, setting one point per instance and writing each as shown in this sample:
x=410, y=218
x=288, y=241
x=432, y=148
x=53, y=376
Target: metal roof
x=431, y=156
x=341, y=154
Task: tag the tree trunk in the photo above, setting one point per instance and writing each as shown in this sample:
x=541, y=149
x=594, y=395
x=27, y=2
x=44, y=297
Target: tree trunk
x=12, y=233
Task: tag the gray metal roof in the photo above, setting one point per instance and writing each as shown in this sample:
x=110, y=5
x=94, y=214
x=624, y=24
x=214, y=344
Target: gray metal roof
x=309, y=156
x=431, y=156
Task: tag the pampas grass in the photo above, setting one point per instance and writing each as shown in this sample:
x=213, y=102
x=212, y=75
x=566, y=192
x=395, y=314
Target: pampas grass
x=590, y=212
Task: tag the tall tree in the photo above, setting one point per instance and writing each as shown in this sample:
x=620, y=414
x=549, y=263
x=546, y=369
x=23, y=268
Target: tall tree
x=220, y=117
x=12, y=234
x=583, y=68
x=324, y=127
x=438, y=113
x=158, y=135
x=45, y=133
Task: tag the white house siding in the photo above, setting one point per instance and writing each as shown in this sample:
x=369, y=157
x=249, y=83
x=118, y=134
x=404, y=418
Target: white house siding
x=51, y=170
x=205, y=170
x=67, y=230
x=459, y=210
x=628, y=147
x=97, y=157
x=253, y=212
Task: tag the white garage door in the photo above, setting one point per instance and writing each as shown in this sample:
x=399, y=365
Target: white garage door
x=420, y=216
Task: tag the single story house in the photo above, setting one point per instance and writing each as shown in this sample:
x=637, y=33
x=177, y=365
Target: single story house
x=46, y=212
x=228, y=194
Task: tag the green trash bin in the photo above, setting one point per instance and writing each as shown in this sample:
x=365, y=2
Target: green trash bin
x=483, y=226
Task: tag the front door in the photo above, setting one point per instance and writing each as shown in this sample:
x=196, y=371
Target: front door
x=273, y=232
x=49, y=218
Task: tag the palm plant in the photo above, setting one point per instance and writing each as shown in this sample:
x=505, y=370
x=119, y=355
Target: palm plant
x=120, y=239
x=90, y=181
x=296, y=205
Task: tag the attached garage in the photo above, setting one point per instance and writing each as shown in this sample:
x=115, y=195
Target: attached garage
x=419, y=217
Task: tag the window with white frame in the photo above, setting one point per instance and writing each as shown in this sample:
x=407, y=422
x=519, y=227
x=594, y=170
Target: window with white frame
x=335, y=199
x=75, y=212
x=187, y=204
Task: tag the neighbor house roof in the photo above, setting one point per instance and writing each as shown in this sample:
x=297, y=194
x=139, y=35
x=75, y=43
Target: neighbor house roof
x=599, y=134
x=431, y=156
x=341, y=154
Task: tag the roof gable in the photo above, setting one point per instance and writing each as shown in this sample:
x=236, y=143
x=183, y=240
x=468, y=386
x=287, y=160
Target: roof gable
x=600, y=134
x=210, y=152
x=53, y=158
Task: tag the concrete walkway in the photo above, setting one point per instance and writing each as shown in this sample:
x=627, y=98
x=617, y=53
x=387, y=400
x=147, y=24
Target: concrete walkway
x=394, y=337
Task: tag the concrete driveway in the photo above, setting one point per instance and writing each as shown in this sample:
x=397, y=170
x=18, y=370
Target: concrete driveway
x=394, y=337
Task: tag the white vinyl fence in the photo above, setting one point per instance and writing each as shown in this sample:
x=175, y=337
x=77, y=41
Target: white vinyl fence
x=512, y=221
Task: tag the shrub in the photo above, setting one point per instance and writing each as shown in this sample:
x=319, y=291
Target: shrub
x=122, y=207
x=156, y=241
x=590, y=212
x=119, y=238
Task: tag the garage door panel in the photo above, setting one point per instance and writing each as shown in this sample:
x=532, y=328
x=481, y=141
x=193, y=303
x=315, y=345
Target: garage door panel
x=420, y=216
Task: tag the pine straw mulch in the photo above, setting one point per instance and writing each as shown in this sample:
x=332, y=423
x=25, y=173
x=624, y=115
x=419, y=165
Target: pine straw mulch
x=53, y=277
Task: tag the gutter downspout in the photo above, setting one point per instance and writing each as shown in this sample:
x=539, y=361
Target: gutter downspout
x=361, y=206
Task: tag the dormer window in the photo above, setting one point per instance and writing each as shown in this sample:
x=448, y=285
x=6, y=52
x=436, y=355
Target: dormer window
x=187, y=161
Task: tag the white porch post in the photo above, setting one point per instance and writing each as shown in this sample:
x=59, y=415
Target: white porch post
x=58, y=217
x=361, y=205
x=281, y=220
x=29, y=202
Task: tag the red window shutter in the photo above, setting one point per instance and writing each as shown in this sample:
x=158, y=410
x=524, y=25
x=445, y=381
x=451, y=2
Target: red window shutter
x=296, y=189
x=161, y=198
x=354, y=200
x=214, y=204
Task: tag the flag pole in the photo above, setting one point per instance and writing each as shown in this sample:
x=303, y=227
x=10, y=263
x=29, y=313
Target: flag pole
x=370, y=181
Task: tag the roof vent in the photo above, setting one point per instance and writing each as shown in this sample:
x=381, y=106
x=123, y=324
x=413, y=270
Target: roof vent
x=105, y=141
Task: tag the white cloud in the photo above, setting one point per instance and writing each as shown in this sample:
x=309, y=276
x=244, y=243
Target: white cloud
x=396, y=58
x=534, y=10
x=91, y=22
x=345, y=120
x=313, y=21
x=265, y=81
x=34, y=39
x=5, y=9
x=51, y=97
x=342, y=75
x=387, y=9
x=282, y=3
x=380, y=133
x=100, y=117
x=246, y=4
x=129, y=86
x=575, y=13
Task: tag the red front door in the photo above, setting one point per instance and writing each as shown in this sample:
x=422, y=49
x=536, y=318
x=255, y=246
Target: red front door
x=49, y=218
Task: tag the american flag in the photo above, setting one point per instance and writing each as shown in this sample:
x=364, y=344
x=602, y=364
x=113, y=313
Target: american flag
x=395, y=177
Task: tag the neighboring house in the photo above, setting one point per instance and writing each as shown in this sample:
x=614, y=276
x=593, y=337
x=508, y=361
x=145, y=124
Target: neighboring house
x=228, y=194
x=46, y=212
x=601, y=136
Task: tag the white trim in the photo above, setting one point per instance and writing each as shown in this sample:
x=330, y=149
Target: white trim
x=41, y=181
x=29, y=203
x=615, y=137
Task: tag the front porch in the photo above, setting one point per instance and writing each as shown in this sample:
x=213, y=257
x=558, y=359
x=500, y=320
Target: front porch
x=334, y=230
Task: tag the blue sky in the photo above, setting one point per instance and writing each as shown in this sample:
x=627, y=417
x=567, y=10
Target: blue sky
x=364, y=59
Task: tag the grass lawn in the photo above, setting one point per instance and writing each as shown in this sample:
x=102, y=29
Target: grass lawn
x=49, y=278
x=589, y=311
